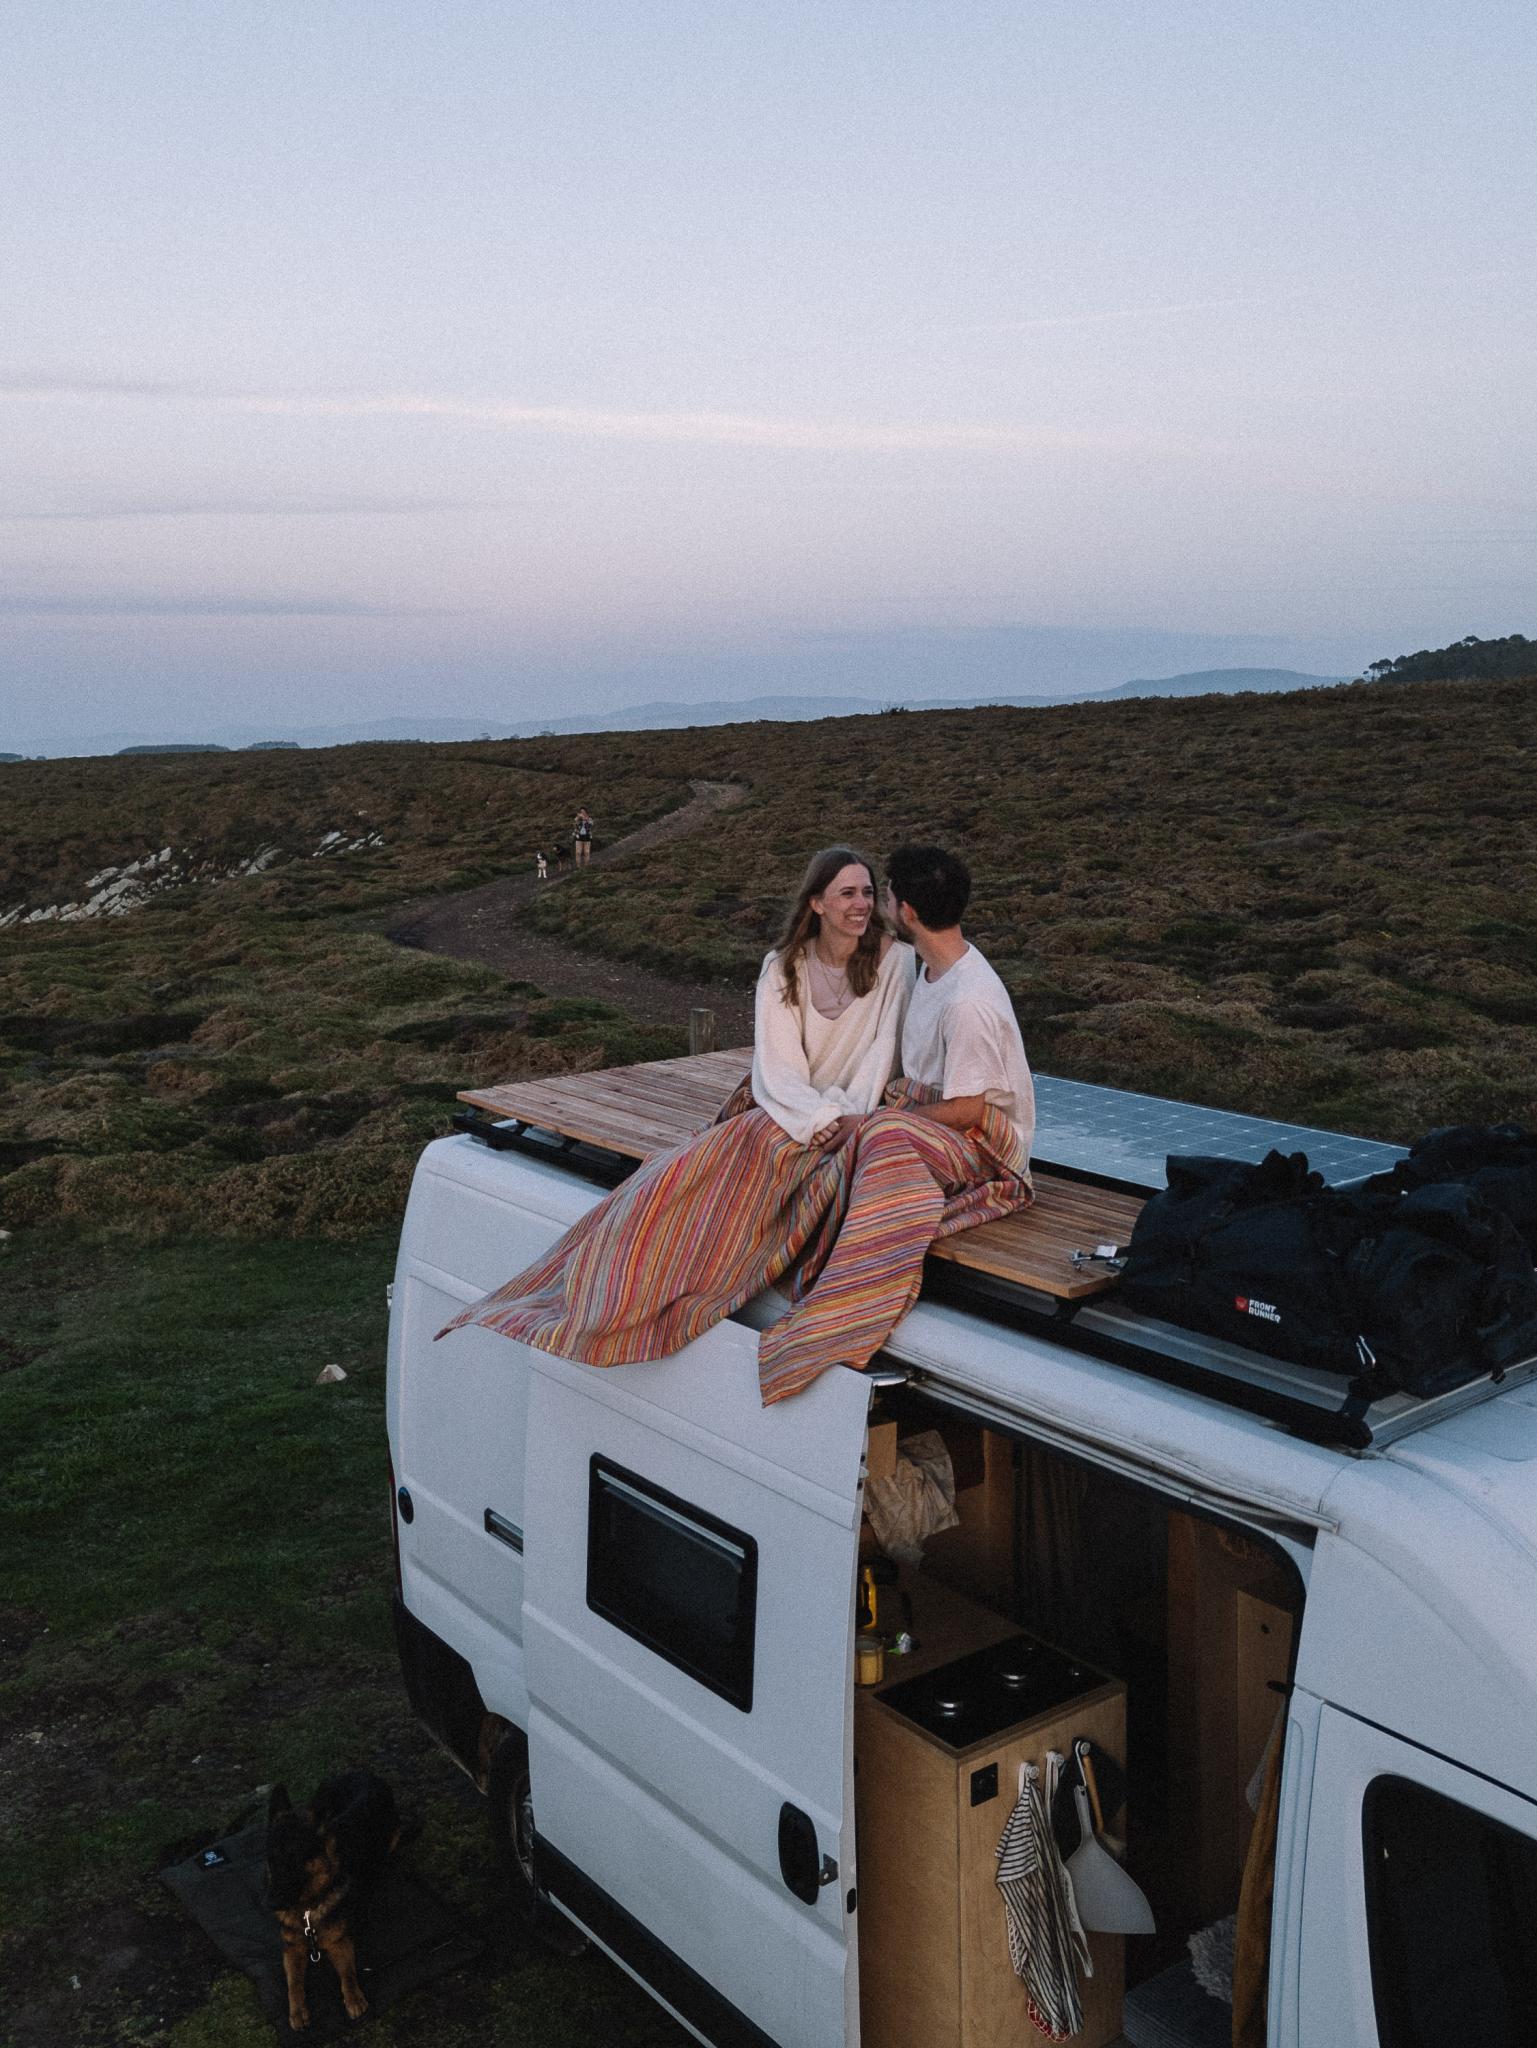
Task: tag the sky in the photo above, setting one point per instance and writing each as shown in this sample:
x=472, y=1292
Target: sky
x=364, y=359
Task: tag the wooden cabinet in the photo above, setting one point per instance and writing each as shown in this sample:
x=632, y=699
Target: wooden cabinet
x=934, y=1968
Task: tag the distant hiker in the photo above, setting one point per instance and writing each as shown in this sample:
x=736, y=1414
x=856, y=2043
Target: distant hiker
x=582, y=836
x=541, y=867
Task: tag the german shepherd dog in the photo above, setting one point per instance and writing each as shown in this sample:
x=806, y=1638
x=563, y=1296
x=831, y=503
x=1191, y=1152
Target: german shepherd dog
x=320, y=1861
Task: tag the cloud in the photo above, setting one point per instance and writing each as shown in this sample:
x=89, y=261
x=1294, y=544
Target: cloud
x=708, y=429
x=1113, y=315
x=67, y=384
x=255, y=508
x=1047, y=323
x=129, y=607
x=724, y=429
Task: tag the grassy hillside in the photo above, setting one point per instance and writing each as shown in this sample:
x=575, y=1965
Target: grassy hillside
x=1316, y=906
x=446, y=815
x=249, y=1056
x=197, y=1554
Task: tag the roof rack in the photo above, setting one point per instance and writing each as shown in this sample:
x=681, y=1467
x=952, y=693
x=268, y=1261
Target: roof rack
x=1097, y=1157
x=510, y=1134
x=1319, y=1407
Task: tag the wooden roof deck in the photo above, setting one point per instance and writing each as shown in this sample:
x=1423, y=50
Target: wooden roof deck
x=638, y=1110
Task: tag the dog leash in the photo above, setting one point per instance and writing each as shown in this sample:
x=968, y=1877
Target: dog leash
x=315, y=1919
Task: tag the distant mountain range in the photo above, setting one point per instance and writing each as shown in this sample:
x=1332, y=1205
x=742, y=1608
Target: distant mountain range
x=1208, y=682
x=665, y=714
x=661, y=715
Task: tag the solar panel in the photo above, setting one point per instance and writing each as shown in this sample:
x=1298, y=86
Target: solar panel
x=1128, y=1137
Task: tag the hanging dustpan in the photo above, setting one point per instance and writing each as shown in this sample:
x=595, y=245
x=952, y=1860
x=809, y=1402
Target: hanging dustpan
x=1108, y=1900
x=1099, y=1768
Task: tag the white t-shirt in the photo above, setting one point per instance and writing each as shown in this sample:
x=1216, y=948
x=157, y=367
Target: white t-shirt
x=808, y=1070
x=961, y=1036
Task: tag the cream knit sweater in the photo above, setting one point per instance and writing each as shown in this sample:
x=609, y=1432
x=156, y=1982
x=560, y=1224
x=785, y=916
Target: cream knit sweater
x=807, y=1069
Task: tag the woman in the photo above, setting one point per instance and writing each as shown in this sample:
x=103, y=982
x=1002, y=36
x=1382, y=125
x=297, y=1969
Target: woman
x=697, y=1231
x=830, y=1003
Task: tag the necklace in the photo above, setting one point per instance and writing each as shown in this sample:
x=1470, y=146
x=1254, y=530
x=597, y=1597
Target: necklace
x=831, y=993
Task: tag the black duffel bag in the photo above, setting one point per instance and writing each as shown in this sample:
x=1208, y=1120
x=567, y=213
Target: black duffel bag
x=1245, y=1252
x=1441, y=1285
x=1498, y=1161
x=1419, y=1291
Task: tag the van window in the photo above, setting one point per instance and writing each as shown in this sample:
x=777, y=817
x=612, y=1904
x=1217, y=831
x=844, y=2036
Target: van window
x=674, y=1578
x=1451, y=1903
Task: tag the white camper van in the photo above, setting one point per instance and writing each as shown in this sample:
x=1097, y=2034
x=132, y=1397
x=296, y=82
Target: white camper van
x=628, y=1600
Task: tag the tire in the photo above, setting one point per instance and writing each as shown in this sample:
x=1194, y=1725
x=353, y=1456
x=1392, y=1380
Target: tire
x=511, y=1804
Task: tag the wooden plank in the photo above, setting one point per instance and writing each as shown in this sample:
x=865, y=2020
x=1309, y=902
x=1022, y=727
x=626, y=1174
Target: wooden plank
x=1034, y=1247
x=638, y=1110
x=634, y=1111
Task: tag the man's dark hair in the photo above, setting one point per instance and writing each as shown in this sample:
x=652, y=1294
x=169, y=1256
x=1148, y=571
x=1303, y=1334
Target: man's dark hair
x=932, y=882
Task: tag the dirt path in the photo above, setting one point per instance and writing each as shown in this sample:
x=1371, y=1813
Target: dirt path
x=483, y=925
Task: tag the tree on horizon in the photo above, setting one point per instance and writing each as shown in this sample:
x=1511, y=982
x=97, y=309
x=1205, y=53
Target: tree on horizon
x=1464, y=659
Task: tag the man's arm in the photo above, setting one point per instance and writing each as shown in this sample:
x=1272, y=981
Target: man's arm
x=956, y=1112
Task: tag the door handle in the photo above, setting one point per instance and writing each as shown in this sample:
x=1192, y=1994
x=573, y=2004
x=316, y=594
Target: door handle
x=803, y=1867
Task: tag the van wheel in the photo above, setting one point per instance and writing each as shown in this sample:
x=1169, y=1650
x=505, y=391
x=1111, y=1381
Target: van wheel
x=511, y=1800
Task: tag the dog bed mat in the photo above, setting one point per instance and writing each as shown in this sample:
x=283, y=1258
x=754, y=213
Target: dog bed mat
x=405, y=1936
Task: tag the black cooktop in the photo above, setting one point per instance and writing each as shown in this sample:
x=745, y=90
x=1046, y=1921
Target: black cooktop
x=990, y=1690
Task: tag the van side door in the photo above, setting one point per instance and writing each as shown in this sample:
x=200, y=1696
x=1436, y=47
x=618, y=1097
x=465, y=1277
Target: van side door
x=690, y=1562
x=1419, y=1899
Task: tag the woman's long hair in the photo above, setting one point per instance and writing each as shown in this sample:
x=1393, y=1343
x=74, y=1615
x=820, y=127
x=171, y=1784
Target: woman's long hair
x=802, y=923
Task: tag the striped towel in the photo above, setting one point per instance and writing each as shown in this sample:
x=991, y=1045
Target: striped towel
x=698, y=1231
x=1038, y=1916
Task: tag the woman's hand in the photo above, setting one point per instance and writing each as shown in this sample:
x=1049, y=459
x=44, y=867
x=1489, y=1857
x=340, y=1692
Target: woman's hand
x=836, y=1136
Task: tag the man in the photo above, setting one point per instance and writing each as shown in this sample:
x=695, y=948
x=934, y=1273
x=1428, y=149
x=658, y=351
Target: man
x=961, y=1036
x=953, y=1150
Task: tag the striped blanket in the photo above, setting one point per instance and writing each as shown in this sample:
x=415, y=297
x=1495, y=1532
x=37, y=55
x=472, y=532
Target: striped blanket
x=696, y=1232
